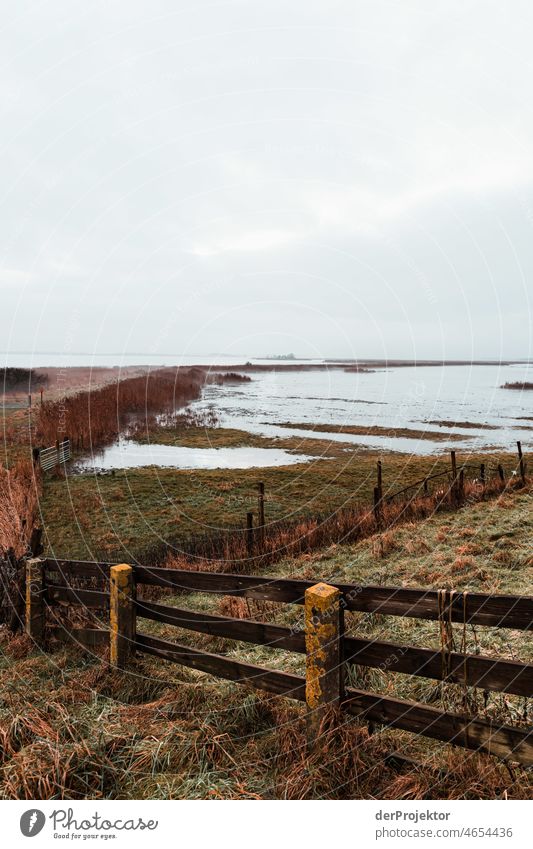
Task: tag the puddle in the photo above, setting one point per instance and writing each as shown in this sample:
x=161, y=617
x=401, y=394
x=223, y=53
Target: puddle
x=127, y=454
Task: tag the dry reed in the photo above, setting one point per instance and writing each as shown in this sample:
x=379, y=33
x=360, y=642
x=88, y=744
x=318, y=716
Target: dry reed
x=90, y=419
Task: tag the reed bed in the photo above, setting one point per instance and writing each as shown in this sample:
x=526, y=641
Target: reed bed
x=91, y=419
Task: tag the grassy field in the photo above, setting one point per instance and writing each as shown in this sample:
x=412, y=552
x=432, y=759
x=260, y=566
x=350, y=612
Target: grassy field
x=72, y=728
x=127, y=512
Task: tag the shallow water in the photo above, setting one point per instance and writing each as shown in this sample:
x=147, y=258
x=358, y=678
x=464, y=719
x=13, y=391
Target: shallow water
x=128, y=454
x=407, y=397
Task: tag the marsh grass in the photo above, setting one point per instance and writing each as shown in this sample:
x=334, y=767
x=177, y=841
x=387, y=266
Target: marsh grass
x=136, y=512
x=90, y=419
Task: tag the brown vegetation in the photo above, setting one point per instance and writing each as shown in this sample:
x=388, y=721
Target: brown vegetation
x=228, y=551
x=162, y=736
x=19, y=510
x=475, y=425
x=374, y=430
x=19, y=506
x=229, y=377
x=91, y=419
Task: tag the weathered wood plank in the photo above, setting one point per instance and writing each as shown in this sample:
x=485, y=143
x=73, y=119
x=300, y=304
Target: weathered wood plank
x=87, y=598
x=477, y=608
x=121, y=614
x=502, y=676
x=514, y=744
x=35, y=614
x=245, y=630
x=78, y=568
x=324, y=678
x=505, y=611
x=505, y=676
x=280, y=683
x=88, y=637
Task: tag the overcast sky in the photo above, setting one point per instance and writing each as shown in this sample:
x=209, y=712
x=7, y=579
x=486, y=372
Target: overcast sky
x=329, y=178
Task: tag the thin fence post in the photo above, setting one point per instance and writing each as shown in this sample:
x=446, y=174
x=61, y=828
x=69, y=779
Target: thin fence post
x=482, y=473
x=426, y=487
x=121, y=614
x=521, y=462
x=35, y=600
x=250, y=534
x=454, y=475
x=380, y=479
x=462, y=483
x=324, y=661
x=501, y=473
x=261, y=510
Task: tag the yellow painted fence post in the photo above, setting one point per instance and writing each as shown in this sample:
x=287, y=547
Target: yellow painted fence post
x=35, y=600
x=324, y=666
x=121, y=614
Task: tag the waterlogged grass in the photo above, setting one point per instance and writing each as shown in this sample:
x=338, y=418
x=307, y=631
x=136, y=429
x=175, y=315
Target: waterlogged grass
x=202, y=437
x=88, y=515
x=375, y=430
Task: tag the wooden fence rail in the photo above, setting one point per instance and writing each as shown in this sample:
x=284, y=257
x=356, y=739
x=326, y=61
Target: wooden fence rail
x=503, y=611
x=329, y=651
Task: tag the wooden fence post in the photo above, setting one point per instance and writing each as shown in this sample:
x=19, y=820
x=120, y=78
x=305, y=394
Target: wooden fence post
x=121, y=614
x=454, y=476
x=324, y=661
x=380, y=480
x=261, y=511
x=35, y=600
x=501, y=473
x=521, y=462
x=482, y=474
x=250, y=534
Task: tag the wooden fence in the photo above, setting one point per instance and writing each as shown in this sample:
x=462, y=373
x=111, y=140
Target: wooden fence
x=454, y=478
x=52, y=584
